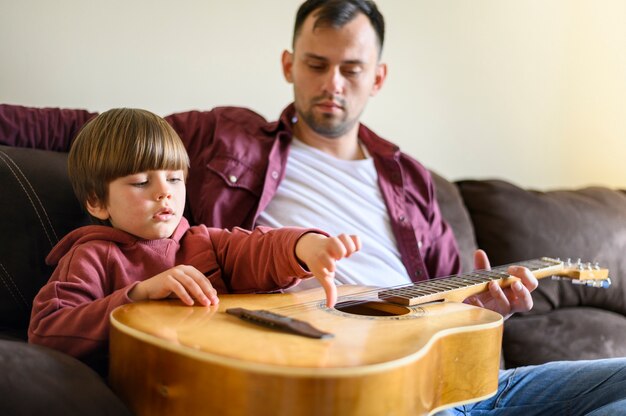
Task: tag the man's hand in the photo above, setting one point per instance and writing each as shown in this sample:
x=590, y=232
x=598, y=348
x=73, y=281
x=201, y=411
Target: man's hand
x=184, y=282
x=515, y=298
x=319, y=253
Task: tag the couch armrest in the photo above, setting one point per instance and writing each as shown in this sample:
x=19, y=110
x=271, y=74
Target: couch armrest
x=38, y=208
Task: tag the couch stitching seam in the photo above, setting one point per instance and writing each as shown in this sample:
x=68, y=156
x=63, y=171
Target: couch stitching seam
x=12, y=287
x=10, y=163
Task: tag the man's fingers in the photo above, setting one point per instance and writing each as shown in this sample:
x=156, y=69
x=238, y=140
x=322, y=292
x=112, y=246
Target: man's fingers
x=523, y=300
x=481, y=261
x=525, y=275
x=473, y=300
x=504, y=306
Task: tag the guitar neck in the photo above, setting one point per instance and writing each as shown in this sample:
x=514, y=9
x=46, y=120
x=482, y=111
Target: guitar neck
x=459, y=287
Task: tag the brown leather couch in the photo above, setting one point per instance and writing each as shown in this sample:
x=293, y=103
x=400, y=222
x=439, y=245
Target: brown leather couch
x=568, y=321
x=38, y=207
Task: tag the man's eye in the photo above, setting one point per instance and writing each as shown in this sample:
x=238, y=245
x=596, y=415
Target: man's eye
x=317, y=67
x=351, y=71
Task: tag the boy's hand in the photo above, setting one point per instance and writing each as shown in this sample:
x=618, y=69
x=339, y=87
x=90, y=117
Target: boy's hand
x=320, y=253
x=184, y=282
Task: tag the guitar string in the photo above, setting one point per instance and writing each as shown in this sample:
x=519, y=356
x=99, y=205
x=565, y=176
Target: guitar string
x=484, y=277
x=378, y=294
x=358, y=297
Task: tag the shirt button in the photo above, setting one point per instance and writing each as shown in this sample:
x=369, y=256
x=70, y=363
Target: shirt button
x=419, y=244
x=418, y=273
x=401, y=218
x=274, y=174
x=232, y=179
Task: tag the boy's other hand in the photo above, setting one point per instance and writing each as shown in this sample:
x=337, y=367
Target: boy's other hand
x=183, y=282
x=319, y=253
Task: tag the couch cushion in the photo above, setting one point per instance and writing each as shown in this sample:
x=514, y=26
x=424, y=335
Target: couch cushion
x=454, y=212
x=38, y=209
x=513, y=224
x=39, y=381
x=580, y=333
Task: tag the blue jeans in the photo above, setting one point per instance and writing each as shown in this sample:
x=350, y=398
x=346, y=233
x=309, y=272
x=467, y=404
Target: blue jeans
x=593, y=388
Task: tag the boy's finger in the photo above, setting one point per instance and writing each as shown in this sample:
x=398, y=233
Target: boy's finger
x=330, y=289
x=349, y=244
x=336, y=247
x=181, y=292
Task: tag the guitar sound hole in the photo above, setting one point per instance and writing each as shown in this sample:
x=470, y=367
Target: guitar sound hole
x=370, y=308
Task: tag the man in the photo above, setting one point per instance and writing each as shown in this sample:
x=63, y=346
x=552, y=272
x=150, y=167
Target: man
x=248, y=172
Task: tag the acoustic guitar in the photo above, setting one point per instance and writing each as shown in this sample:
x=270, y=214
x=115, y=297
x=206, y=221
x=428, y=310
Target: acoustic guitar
x=408, y=350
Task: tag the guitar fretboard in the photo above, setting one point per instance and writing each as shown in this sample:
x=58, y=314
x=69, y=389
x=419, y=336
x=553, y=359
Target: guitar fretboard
x=470, y=283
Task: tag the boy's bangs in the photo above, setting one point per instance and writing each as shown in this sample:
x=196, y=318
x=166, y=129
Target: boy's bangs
x=152, y=148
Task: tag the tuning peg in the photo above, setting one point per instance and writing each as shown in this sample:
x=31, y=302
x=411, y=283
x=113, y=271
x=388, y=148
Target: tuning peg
x=603, y=284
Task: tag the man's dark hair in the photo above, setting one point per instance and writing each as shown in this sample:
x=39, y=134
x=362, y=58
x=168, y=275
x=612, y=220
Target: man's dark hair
x=336, y=13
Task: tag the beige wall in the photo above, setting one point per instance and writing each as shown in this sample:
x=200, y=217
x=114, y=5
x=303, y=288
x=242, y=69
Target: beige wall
x=530, y=91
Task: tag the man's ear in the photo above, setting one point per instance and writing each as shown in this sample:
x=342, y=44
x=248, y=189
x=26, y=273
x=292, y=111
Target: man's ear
x=287, y=63
x=379, y=78
x=97, y=209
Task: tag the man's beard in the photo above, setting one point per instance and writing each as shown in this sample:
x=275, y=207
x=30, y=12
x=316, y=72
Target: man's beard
x=327, y=125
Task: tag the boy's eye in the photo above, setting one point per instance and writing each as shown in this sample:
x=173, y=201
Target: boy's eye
x=140, y=184
x=175, y=179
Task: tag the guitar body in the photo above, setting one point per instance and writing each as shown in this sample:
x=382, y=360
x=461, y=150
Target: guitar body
x=172, y=359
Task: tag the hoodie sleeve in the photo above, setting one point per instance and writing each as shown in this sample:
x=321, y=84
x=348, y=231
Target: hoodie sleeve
x=71, y=312
x=262, y=260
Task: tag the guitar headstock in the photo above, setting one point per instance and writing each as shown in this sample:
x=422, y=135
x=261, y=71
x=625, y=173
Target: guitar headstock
x=589, y=274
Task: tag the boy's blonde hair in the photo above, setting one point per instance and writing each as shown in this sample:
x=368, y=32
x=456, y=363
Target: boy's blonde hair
x=121, y=142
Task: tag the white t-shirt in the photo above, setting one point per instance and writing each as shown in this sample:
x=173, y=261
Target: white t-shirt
x=339, y=196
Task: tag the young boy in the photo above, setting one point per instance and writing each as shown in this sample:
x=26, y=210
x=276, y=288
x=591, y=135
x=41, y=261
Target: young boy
x=128, y=167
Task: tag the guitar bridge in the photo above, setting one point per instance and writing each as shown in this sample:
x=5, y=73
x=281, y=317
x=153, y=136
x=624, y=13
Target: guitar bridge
x=275, y=321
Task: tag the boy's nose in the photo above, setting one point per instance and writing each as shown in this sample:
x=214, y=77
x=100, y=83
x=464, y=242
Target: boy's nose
x=161, y=195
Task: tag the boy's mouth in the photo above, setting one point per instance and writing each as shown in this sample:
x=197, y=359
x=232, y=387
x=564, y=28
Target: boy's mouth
x=163, y=214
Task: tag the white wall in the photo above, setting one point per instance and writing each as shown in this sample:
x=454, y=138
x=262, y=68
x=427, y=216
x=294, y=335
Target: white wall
x=530, y=91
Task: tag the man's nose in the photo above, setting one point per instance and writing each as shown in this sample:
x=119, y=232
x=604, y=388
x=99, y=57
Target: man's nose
x=334, y=82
